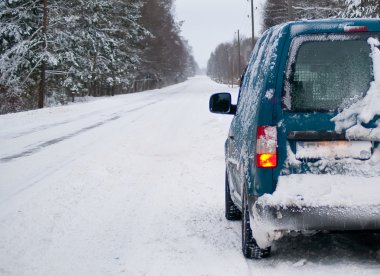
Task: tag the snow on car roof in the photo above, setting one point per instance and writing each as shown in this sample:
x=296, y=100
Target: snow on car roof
x=328, y=26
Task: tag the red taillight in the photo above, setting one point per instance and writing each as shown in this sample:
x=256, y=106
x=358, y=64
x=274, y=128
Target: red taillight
x=355, y=29
x=266, y=147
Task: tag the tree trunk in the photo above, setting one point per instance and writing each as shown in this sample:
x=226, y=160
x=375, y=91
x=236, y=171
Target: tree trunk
x=93, y=77
x=42, y=88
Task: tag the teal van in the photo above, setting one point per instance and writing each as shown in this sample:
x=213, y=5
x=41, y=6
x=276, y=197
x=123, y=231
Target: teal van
x=307, y=112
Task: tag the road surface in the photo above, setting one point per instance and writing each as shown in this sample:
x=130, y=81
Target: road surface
x=134, y=185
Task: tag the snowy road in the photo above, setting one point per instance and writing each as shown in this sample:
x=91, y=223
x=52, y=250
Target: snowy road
x=134, y=185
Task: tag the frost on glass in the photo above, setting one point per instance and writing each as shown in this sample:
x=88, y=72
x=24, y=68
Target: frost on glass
x=327, y=73
x=363, y=111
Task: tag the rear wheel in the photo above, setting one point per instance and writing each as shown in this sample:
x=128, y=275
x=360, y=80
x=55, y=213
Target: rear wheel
x=249, y=246
x=231, y=211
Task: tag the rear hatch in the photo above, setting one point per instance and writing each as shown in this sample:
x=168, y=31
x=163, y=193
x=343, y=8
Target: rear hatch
x=328, y=78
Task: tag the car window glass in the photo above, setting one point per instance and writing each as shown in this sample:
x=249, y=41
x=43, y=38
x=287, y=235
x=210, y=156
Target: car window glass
x=328, y=74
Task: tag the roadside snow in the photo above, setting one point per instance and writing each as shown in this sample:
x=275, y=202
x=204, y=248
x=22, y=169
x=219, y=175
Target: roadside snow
x=134, y=185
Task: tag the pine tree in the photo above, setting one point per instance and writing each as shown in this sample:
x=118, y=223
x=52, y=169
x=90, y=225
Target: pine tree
x=23, y=49
x=277, y=11
x=80, y=47
x=166, y=56
x=97, y=44
x=361, y=8
x=222, y=65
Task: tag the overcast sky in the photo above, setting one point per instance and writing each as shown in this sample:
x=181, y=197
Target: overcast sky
x=208, y=23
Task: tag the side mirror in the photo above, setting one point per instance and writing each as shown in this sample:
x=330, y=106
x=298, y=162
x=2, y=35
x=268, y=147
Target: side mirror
x=221, y=103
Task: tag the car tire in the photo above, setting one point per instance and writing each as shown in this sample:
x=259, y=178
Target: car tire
x=249, y=246
x=231, y=210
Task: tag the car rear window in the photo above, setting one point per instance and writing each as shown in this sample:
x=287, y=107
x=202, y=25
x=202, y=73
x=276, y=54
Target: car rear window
x=327, y=73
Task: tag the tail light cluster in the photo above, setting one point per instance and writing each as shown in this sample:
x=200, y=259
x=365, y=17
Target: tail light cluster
x=266, y=147
x=355, y=29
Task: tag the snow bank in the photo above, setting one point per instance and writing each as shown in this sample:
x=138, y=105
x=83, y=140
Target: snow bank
x=358, y=132
x=366, y=109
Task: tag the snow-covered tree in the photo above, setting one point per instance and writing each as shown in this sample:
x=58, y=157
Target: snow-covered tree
x=23, y=49
x=97, y=44
x=166, y=56
x=86, y=46
x=361, y=8
x=223, y=64
x=80, y=47
x=277, y=11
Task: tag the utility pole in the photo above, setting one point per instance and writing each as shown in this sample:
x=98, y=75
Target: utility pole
x=238, y=35
x=290, y=10
x=253, y=24
x=42, y=88
x=232, y=68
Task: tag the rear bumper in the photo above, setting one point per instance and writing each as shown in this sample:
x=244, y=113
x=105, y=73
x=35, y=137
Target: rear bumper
x=299, y=218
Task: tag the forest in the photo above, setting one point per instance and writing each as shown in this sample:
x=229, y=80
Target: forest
x=52, y=52
x=223, y=64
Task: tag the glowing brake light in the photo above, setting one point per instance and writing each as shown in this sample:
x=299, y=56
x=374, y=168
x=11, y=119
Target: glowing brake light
x=355, y=29
x=266, y=147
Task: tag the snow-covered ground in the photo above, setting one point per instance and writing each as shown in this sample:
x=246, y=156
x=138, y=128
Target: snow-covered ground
x=134, y=185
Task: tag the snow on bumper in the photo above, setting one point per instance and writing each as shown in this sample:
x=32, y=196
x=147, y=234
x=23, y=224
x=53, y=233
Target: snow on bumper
x=316, y=202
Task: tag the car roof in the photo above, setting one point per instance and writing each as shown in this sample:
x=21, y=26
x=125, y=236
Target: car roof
x=330, y=26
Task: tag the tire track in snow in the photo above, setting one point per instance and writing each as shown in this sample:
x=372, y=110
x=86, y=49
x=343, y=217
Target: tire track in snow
x=54, y=141
x=49, y=126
